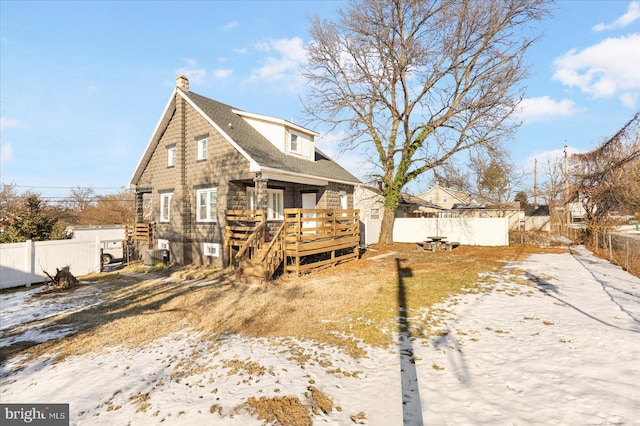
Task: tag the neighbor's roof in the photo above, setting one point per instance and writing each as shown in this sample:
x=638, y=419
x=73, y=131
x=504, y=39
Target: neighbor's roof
x=249, y=142
x=465, y=198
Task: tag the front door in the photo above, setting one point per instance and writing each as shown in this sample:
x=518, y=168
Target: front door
x=308, y=202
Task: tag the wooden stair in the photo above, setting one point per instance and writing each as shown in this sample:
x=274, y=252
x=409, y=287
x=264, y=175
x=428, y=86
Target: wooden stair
x=252, y=271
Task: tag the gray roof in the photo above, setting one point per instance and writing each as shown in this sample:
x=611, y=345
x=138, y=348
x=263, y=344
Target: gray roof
x=249, y=140
x=261, y=150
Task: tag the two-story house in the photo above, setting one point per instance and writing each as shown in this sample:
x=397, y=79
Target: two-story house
x=205, y=158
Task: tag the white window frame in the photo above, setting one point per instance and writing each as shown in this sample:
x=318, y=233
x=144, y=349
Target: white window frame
x=374, y=214
x=293, y=140
x=210, y=209
x=163, y=244
x=274, y=196
x=171, y=156
x=203, y=149
x=165, y=207
x=211, y=249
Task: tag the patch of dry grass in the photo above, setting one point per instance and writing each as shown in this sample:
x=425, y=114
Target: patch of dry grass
x=345, y=305
x=285, y=410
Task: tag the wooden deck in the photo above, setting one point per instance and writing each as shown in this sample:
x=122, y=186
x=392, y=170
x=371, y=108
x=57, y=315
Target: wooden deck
x=305, y=239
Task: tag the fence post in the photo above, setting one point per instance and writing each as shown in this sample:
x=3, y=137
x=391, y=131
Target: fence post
x=610, y=250
x=28, y=261
x=626, y=252
x=98, y=254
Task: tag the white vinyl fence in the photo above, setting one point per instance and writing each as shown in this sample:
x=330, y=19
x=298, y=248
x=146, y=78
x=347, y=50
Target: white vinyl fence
x=480, y=231
x=24, y=263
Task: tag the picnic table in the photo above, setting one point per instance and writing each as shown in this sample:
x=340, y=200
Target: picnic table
x=437, y=242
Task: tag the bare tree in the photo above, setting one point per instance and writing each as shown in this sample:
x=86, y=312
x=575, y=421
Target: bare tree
x=418, y=81
x=110, y=209
x=454, y=176
x=79, y=199
x=552, y=189
x=605, y=178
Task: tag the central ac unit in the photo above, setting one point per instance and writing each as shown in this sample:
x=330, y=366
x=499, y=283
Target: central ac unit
x=153, y=257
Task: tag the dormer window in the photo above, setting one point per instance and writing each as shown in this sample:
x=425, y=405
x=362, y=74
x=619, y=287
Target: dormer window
x=293, y=143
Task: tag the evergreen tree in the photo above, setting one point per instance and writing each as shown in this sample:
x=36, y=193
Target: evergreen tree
x=34, y=223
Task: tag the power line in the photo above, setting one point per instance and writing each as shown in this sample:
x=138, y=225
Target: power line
x=66, y=187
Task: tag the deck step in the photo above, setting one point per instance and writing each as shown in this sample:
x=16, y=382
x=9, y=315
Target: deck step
x=250, y=279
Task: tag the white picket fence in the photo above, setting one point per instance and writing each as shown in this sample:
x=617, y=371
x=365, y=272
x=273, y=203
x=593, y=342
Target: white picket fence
x=24, y=263
x=480, y=231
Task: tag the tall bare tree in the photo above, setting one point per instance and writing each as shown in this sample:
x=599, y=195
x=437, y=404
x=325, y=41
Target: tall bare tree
x=552, y=188
x=418, y=81
x=605, y=179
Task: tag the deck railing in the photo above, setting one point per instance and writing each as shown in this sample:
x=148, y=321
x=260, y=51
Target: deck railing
x=307, y=238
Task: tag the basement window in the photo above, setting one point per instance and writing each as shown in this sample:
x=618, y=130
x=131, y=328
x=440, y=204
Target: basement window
x=211, y=249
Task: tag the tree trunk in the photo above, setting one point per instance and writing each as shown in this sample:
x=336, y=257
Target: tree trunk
x=63, y=278
x=386, y=228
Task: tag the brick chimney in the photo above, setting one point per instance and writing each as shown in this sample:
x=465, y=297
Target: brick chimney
x=182, y=82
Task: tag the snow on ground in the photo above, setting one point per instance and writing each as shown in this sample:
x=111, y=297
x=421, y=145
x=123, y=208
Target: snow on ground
x=20, y=308
x=556, y=342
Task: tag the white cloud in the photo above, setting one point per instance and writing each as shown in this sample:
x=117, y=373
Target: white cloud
x=545, y=108
x=8, y=122
x=6, y=154
x=604, y=70
x=222, y=73
x=283, y=65
x=231, y=25
x=633, y=14
x=240, y=51
x=545, y=158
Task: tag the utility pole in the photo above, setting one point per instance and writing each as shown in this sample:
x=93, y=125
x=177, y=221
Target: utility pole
x=535, y=183
x=567, y=211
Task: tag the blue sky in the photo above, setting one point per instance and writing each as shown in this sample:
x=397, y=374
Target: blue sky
x=83, y=84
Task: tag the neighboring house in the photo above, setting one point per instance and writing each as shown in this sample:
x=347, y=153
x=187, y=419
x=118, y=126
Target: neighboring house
x=463, y=205
x=537, y=218
x=205, y=158
x=370, y=202
x=445, y=197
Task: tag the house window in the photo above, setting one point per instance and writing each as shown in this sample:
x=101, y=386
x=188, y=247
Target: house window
x=207, y=201
x=165, y=206
x=211, y=249
x=163, y=244
x=275, y=203
x=374, y=214
x=293, y=143
x=171, y=156
x=203, y=149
